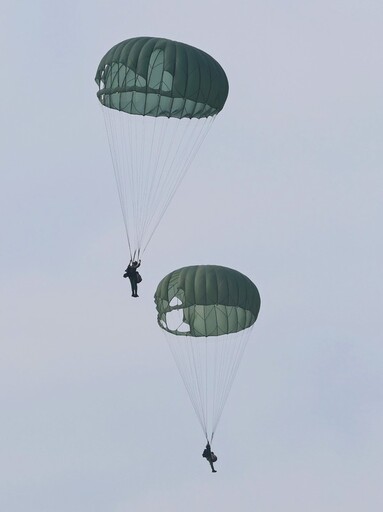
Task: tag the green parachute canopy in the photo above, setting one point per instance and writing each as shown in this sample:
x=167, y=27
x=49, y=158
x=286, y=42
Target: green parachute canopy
x=214, y=301
x=157, y=77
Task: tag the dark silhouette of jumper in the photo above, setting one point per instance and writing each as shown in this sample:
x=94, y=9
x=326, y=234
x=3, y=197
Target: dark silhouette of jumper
x=134, y=276
x=210, y=457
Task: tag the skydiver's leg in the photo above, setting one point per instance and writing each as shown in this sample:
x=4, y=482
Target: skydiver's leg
x=212, y=466
x=134, y=287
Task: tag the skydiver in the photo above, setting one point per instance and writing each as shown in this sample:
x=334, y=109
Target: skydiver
x=210, y=456
x=134, y=276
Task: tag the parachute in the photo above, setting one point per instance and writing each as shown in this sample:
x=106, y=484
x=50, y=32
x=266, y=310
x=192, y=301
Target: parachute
x=160, y=99
x=207, y=313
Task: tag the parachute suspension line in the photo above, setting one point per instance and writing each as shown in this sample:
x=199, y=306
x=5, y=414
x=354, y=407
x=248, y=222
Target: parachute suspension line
x=136, y=255
x=204, y=318
x=223, y=346
x=220, y=363
x=196, y=348
x=217, y=375
x=233, y=358
x=196, y=144
x=208, y=365
x=215, y=384
x=195, y=375
x=208, y=377
x=133, y=173
x=139, y=143
x=123, y=139
x=148, y=180
x=164, y=172
x=113, y=140
x=182, y=353
x=161, y=171
x=126, y=175
x=150, y=158
x=201, y=382
x=206, y=384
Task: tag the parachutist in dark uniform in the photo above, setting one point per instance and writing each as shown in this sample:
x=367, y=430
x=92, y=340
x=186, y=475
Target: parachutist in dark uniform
x=134, y=276
x=210, y=456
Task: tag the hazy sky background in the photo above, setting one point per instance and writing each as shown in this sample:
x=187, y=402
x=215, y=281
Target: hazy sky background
x=287, y=189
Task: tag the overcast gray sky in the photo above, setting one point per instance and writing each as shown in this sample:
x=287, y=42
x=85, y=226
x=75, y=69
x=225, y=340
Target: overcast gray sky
x=94, y=416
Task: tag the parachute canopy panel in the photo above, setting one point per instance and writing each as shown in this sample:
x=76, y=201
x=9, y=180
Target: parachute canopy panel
x=214, y=301
x=158, y=77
